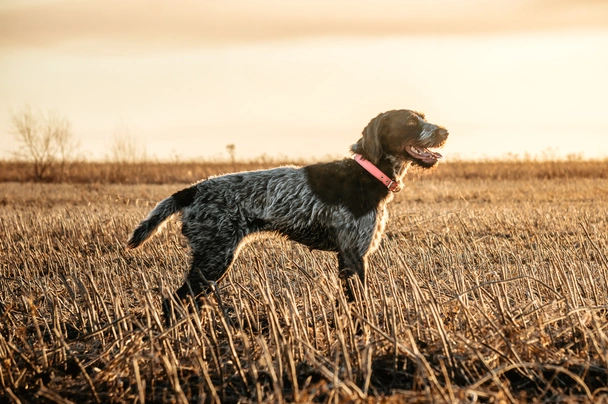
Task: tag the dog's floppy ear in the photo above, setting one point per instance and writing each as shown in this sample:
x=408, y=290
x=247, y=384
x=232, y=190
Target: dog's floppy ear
x=371, y=138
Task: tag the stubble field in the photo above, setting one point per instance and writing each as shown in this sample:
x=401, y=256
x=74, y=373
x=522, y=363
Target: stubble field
x=488, y=287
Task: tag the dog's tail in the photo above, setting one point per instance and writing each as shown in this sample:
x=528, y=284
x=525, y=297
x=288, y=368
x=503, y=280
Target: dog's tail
x=163, y=211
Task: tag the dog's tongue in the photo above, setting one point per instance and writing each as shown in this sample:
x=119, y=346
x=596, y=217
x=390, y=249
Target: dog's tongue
x=423, y=154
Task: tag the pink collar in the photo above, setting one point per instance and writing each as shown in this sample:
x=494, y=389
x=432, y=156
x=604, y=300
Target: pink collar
x=375, y=171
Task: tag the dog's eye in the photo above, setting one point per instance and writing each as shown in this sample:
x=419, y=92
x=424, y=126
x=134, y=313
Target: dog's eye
x=412, y=122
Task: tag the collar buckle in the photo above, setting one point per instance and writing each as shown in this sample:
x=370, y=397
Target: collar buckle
x=392, y=185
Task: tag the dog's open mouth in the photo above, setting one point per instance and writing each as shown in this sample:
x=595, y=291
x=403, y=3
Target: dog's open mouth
x=424, y=154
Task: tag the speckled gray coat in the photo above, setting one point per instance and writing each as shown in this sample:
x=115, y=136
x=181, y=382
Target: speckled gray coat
x=335, y=206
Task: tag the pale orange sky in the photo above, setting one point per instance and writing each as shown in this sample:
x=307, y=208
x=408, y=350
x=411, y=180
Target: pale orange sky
x=302, y=78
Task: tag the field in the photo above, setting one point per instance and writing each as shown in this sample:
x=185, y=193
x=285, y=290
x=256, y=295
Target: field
x=491, y=285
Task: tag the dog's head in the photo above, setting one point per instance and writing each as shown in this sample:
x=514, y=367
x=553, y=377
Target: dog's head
x=403, y=134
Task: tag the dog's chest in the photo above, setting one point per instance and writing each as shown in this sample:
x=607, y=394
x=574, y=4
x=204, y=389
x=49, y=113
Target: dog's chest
x=381, y=220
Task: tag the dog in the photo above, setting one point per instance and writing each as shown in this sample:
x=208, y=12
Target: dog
x=338, y=206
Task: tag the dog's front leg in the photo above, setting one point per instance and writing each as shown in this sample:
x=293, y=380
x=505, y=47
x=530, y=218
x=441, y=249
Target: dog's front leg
x=351, y=263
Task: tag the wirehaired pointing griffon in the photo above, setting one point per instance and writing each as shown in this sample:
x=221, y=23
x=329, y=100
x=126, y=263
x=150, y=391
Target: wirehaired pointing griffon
x=338, y=206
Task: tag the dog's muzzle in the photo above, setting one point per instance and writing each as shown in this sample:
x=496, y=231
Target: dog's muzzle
x=437, y=138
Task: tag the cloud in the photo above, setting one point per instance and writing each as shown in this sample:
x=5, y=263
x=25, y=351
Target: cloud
x=155, y=23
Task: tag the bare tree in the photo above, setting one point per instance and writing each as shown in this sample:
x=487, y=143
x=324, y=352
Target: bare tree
x=67, y=143
x=127, y=153
x=44, y=139
x=126, y=148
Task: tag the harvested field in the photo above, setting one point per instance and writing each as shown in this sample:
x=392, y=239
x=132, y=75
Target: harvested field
x=487, y=288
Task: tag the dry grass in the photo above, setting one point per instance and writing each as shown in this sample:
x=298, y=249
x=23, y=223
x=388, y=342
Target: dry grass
x=188, y=172
x=482, y=291
x=147, y=172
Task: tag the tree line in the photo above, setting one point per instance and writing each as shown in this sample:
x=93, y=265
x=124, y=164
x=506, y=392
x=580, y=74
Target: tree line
x=46, y=140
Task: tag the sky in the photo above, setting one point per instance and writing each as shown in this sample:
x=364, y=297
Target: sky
x=300, y=79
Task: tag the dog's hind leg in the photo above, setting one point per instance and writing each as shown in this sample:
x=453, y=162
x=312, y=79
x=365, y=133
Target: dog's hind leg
x=212, y=256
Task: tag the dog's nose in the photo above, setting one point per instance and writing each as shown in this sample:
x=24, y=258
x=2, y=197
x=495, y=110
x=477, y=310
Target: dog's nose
x=443, y=132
